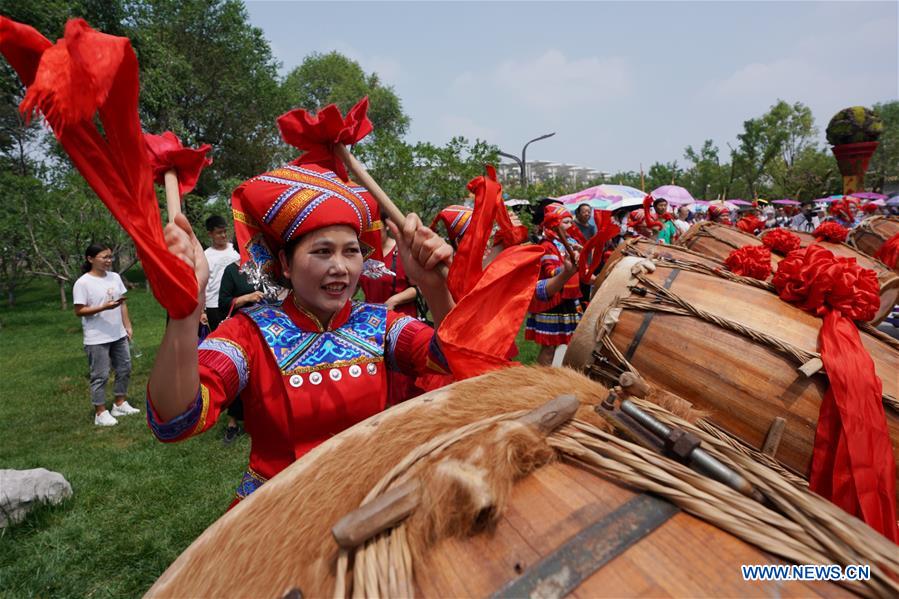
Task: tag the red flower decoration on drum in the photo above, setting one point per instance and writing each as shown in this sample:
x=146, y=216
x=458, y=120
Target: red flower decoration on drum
x=831, y=231
x=817, y=281
x=750, y=261
x=781, y=241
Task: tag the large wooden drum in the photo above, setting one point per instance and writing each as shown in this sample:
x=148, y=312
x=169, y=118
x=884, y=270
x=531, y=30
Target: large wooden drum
x=718, y=241
x=562, y=529
x=729, y=348
x=873, y=232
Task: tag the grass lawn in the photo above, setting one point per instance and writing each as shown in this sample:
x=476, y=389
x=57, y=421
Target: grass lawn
x=137, y=503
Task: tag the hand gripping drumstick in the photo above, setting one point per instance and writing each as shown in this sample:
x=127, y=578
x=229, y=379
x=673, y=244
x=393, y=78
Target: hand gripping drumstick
x=175, y=166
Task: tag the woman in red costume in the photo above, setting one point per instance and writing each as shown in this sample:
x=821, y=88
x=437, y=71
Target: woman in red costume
x=316, y=363
x=718, y=214
x=555, y=311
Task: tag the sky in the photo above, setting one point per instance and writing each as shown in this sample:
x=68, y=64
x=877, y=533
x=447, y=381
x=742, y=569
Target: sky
x=620, y=83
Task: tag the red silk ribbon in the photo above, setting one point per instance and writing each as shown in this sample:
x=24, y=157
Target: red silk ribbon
x=852, y=462
x=750, y=261
x=317, y=134
x=84, y=73
x=167, y=153
x=831, y=231
x=592, y=251
x=750, y=224
x=781, y=241
x=889, y=252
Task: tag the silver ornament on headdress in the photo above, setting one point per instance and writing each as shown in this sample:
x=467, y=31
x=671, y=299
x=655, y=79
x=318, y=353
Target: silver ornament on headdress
x=260, y=269
x=375, y=269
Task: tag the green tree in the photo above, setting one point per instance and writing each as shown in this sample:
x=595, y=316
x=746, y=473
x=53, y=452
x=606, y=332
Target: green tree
x=210, y=77
x=662, y=174
x=333, y=78
x=884, y=166
x=705, y=178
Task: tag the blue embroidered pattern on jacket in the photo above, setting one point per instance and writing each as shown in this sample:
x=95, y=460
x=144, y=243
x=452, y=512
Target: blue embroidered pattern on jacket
x=541, y=290
x=360, y=340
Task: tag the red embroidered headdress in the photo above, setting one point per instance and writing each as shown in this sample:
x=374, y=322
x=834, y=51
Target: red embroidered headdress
x=456, y=220
x=553, y=215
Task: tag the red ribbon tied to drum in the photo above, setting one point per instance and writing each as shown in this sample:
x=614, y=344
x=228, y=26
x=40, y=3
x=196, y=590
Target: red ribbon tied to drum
x=852, y=462
x=750, y=261
x=781, y=241
x=831, y=231
x=889, y=251
x=167, y=153
x=317, y=134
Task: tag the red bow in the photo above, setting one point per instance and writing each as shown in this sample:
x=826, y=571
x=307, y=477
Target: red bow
x=318, y=134
x=166, y=153
x=852, y=462
x=782, y=241
x=831, y=231
x=889, y=252
x=88, y=72
x=750, y=261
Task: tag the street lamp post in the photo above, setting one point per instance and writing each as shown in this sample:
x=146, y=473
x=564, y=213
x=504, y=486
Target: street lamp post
x=522, y=162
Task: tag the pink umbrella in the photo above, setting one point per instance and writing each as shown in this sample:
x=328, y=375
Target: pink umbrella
x=739, y=202
x=702, y=202
x=675, y=194
x=870, y=195
x=787, y=201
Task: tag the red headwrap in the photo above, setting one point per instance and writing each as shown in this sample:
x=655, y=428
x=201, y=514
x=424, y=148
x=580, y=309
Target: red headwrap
x=852, y=463
x=456, y=219
x=553, y=215
x=276, y=207
x=88, y=73
x=869, y=207
x=635, y=218
x=718, y=214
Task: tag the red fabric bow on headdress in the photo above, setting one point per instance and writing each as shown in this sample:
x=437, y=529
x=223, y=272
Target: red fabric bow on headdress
x=750, y=261
x=635, y=219
x=750, y=224
x=831, y=231
x=166, y=153
x=318, y=134
x=852, y=463
x=889, y=252
x=84, y=73
x=781, y=241
x=592, y=252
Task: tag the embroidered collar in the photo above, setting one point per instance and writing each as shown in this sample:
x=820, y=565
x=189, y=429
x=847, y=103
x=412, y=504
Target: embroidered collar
x=307, y=321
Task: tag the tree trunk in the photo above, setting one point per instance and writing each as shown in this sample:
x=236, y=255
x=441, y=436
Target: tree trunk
x=11, y=297
x=63, y=300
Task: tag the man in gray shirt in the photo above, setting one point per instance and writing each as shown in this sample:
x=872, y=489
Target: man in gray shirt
x=806, y=220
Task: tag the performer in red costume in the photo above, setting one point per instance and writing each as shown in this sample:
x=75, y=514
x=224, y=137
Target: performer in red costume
x=456, y=220
x=316, y=363
x=554, y=312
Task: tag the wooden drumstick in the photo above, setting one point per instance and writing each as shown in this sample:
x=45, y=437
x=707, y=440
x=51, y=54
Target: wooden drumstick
x=172, y=195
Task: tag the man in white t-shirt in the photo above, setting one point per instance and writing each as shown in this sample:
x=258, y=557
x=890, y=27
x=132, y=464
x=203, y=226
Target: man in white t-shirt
x=219, y=255
x=99, y=299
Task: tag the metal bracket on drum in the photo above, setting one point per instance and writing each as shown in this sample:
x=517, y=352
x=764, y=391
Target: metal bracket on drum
x=645, y=429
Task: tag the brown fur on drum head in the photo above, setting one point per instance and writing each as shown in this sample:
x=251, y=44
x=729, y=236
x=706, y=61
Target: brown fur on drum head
x=279, y=538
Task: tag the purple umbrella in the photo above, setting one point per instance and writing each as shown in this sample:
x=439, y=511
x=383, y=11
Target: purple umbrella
x=705, y=203
x=869, y=195
x=893, y=201
x=740, y=202
x=675, y=194
x=787, y=201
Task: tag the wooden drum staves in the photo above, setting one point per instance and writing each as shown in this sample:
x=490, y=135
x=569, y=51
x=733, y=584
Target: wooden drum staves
x=727, y=347
x=718, y=241
x=541, y=526
x=872, y=233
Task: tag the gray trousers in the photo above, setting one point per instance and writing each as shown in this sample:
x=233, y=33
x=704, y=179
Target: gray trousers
x=99, y=358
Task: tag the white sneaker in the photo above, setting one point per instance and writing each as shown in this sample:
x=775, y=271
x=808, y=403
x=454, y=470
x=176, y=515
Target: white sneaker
x=104, y=418
x=124, y=409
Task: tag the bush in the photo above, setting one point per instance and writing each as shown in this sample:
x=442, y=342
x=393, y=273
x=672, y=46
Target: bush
x=853, y=125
